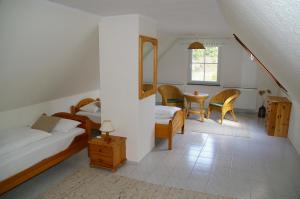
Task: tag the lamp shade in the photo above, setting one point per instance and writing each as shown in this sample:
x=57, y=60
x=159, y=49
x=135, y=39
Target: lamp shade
x=106, y=126
x=196, y=45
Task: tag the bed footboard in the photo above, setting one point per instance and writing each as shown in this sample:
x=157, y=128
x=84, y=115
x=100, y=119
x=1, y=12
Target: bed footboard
x=167, y=131
x=178, y=122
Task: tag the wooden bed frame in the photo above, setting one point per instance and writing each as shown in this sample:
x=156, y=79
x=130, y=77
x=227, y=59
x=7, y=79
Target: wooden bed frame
x=81, y=103
x=78, y=143
x=167, y=131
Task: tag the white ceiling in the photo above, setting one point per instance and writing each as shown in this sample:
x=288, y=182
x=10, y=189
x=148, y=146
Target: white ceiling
x=180, y=17
x=271, y=29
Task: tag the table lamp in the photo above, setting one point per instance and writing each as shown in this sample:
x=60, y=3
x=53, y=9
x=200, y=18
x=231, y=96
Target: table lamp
x=107, y=127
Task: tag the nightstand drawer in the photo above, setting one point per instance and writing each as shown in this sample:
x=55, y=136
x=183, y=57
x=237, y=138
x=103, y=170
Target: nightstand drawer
x=100, y=150
x=102, y=161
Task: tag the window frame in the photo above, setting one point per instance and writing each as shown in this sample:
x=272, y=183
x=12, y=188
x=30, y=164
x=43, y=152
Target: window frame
x=208, y=83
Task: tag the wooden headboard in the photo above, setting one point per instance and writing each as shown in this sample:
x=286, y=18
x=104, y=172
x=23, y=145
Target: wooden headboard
x=81, y=103
x=85, y=122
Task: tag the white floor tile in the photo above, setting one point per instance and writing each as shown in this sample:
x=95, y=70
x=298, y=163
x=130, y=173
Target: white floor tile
x=262, y=195
x=157, y=178
x=176, y=182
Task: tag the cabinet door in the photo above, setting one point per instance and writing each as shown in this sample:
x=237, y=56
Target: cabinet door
x=271, y=118
x=282, y=120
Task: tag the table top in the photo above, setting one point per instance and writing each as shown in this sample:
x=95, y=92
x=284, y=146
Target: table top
x=199, y=95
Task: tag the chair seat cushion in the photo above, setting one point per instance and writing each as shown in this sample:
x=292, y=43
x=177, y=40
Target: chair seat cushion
x=219, y=104
x=174, y=100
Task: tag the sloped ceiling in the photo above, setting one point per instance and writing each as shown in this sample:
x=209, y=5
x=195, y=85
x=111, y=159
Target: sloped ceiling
x=271, y=29
x=172, y=16
x=47, y=51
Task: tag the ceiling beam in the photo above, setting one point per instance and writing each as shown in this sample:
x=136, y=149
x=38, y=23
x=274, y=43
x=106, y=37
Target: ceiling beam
x=260, y=63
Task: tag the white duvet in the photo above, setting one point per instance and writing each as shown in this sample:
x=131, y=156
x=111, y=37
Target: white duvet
x=19, y=137
x=22, y=156
x=165, y=112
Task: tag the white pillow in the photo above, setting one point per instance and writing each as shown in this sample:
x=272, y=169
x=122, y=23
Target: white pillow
x=65, y=125
x=92, y=108
x=165, y=112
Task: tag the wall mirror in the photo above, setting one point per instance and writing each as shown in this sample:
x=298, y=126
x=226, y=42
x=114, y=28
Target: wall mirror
x=147, y=66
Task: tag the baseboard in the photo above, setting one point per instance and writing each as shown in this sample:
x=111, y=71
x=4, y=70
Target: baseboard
x=239, y=110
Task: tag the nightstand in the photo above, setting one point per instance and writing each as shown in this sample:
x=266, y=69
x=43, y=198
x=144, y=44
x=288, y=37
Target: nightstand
x=107, y=155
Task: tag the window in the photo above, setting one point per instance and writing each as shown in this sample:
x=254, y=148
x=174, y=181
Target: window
x=204, y=66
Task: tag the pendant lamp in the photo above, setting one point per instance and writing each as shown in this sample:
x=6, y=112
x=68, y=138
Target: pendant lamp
x=196, y=45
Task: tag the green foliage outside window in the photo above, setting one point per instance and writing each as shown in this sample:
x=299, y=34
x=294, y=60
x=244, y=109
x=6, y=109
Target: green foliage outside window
x=205, y=64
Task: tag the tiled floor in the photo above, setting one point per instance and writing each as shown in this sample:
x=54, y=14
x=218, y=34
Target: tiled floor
x=258, y=167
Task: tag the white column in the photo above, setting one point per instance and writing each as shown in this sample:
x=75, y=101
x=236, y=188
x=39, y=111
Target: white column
x=132, y=118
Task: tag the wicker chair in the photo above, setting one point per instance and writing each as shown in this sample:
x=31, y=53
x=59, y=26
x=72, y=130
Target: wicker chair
x=224, y=102
x=171, y=96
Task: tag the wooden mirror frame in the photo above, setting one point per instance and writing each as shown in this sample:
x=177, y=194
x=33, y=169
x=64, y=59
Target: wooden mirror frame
x=143, y=94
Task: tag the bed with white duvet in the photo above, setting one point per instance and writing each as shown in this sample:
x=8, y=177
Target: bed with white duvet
x=168, y=121
x=20, y=148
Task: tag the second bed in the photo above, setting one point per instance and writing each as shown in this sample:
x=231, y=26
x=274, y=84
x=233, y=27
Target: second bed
x=169, y=121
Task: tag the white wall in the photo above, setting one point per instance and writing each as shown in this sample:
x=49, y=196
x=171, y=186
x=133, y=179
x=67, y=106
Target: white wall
x=176, y=60
x=294, y=125
x=132, y=118
x=27, y=115
x=236, y=70
x=47, y=51
x=294, y=128
x=146, y=123
x=119, y=76
x=264, y=82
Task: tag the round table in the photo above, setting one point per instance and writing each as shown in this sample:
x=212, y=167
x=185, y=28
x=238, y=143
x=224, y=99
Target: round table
x=199, y=99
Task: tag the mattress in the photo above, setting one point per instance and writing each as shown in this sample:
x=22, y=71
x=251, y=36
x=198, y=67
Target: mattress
x=165, y=112
x=23, y=157
x=95, y=117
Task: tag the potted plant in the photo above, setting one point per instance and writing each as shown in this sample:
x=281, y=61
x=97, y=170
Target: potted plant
x=262, y=108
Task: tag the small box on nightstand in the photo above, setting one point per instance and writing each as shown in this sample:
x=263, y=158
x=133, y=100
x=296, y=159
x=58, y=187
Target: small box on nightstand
x=109, y=155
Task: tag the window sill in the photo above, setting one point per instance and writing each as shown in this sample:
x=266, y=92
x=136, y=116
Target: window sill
x=203, y=84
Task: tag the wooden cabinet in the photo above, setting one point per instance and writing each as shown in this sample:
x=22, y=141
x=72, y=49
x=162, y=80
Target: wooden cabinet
x=108, y=155
x=278, y=116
